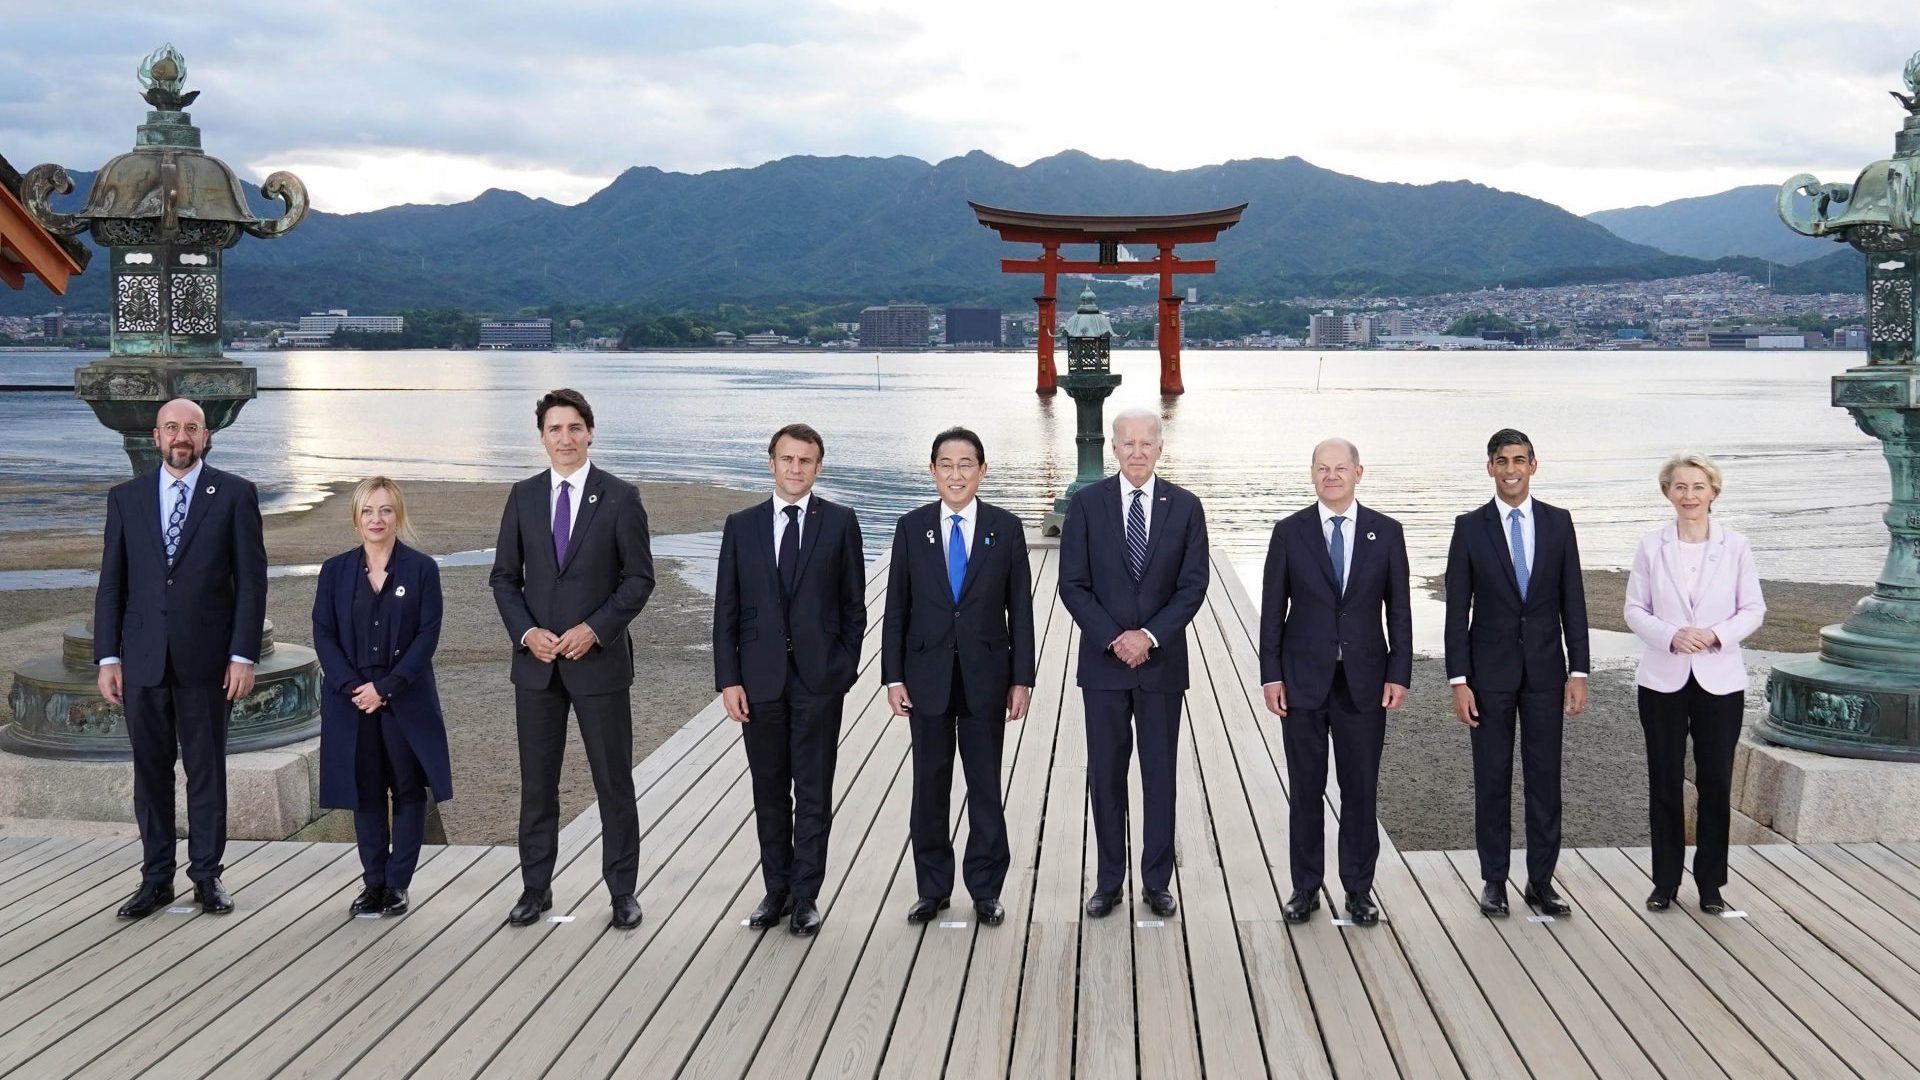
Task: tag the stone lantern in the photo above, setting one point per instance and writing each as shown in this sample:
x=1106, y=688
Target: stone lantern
x=165, y=211
x=1860, y=696
x=1089, y=380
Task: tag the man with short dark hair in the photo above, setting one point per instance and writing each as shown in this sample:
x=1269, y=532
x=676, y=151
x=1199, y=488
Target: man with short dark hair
x=1514, y=594
x=572, y=568
x=956, y=653
x=789, y=609
x=177, y=619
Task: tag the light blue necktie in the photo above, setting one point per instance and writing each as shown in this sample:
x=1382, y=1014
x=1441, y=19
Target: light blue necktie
x=1337, y=550
x=1517, y=541
x=175, y=518
x=1136, y=536
x=956, y=559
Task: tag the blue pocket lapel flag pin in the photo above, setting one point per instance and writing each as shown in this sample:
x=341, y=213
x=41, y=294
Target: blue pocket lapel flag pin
x=988, y=542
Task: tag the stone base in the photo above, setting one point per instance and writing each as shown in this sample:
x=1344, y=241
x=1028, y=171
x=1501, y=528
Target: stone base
x=270, y=793
x=1795, y=796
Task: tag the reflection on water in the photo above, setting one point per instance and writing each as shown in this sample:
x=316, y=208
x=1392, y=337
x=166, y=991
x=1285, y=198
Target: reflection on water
x=1803, y=482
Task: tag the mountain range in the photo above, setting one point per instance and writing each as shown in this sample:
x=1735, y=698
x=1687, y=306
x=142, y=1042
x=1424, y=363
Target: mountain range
x=1740, y=221
x=841, y=229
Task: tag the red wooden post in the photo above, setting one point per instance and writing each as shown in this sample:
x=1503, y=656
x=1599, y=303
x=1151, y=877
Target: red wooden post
x=1048, y=381
x=1169, y=329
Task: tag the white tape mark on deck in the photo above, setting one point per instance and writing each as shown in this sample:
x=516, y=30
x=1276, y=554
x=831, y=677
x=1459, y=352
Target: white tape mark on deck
x=952, y=924
x=1344, y=922
x=368, y=915
x=559, y=918
x=1539, y=918
x=188, y=910
x=1151, y=924
x=1733, y=914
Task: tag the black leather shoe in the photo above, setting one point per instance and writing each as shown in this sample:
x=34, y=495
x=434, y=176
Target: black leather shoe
x=1493, y=898
x=532, y=903
x=150, y=898
x=1301, y=906
x=1101, y=904
x=1160, y=902
x=1659, y=900
x=1541, y=895
x=806, y=919
x=1711, y=903
x=1362, y=910
x=773, y=907
x=212, y=897
x=371, y=900
x=925, y=908
x=396, y=904
x=626, y=912
x=990, y=912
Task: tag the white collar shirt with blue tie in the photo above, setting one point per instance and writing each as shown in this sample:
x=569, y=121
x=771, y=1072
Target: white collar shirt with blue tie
x=191, y=479
x=1327, y=514
x=1526, y=527
x=1146, y=500
x=969, y=515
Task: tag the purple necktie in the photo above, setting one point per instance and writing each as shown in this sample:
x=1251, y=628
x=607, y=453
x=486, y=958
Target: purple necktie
x=562, y=523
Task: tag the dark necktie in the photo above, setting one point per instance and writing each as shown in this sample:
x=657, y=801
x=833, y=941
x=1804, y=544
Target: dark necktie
x=790, y=550
x=1136, y=535
x=175, y=518
x=562, y=523
x=1337, y=551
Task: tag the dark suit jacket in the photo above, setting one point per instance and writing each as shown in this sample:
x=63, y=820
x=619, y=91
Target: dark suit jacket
x=1305, y=629
x=1492, y=637
x=408, y=639
x=1105, y=600
x=605, y=582
x=211, y=606
x=824, y=620
x=990, y=629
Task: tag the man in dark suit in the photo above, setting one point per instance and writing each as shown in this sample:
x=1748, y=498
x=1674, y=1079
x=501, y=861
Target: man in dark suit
x=177, y=622
x=956, y=653
x=789, y=609
x=1133, y=573
x=1514, y=594
x=1335, y=571
x=572, y=568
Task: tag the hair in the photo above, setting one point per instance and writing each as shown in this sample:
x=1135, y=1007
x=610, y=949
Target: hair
x=1353, y=452
x=1137, y=413
x=803, y=432
x=1690, y=460
x=402, y=527
x=957, y=434
x=1505, y=437
x=572, y=399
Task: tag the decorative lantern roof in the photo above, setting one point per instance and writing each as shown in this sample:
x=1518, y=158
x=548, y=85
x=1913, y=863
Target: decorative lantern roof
x=1087, y=321
x=1880, y=207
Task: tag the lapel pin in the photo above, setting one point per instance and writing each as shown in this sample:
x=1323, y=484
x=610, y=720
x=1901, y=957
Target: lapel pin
x=1369, y=536
x=988, y=542
x=591, y=499
x=210, y=489
x=930, y=537
x=399, y=590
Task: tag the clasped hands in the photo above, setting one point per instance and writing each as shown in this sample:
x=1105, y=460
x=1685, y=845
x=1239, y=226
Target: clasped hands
x=1694, y=639
x=548, y=646
x=1132, y=647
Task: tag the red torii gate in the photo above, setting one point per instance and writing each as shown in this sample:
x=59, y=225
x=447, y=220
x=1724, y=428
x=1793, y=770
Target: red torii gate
x=1109, y=231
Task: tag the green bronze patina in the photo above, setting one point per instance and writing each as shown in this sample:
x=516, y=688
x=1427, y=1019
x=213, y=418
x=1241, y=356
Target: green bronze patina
x=1860, y=696
x=165, y=211
x=1089, y=379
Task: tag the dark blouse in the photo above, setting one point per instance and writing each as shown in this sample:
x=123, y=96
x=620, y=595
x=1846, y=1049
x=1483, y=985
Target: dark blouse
x=371, y=614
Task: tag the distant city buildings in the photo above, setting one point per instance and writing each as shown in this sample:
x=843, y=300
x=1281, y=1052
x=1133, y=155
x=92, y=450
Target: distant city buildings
x=896, y=326
x=976, y=326
x=516, y=334
x=316, y=330
x=765, y=338
x=1327, y=330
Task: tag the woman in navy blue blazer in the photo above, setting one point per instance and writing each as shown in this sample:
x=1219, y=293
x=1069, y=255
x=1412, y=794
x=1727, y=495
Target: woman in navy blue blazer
x=383, y=743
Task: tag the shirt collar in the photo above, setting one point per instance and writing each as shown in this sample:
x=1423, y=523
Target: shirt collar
x=578, y=478
x=968, y=513
x=1326, y=512
x=1127, y=489
x=192, y=479
x=780, y=504
x=1504, y=512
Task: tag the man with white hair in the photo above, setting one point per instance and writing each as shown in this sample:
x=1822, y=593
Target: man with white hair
x=1133, y=573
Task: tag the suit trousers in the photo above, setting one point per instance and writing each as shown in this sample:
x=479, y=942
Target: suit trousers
x=1114, y=717
x=1359, y=733
x=1714, y=720
x=606, y=730
x=386, y=772
x=979, y=739
x=190, y=723
x=1537, y=713
x=793, y=743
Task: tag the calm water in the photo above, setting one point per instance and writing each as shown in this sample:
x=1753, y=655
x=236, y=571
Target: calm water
x=1802, y=481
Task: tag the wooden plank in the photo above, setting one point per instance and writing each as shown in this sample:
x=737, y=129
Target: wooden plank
x=1771, y=889
x=83, y=881
x=45, y=862
x=1043, y=1034
x=1898, y=937
x=1168, y=1039
x=1105, y=1036
x=1888, y=864
x=1801, y=1050
x=1288, y=1033
x=1869, y=881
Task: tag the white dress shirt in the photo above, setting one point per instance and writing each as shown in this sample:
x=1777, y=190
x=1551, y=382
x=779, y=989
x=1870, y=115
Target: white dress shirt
x=780, y=522
x=1505, y=514
x=969, y=514
x=1346, y=532
x=576, y=480
x=192, y=480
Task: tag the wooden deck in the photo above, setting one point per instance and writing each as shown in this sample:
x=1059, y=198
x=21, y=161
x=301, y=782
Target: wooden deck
x=1821, y=978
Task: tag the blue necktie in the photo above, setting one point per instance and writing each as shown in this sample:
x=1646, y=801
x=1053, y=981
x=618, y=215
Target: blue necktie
x=1517, y=541
x=1136, y=536
x=176, y=518
x=956, y=559
x=1337, y=550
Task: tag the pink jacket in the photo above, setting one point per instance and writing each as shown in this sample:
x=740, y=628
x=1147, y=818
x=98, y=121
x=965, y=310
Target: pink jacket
x=1729, y=604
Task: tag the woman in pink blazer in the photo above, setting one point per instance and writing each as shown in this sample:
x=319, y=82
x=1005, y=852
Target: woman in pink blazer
x=1693, y=596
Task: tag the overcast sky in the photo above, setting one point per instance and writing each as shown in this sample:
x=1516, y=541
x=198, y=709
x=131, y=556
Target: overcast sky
x=1589, y=105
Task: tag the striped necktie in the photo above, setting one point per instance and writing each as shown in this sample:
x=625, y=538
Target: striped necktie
x=1136, y=535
